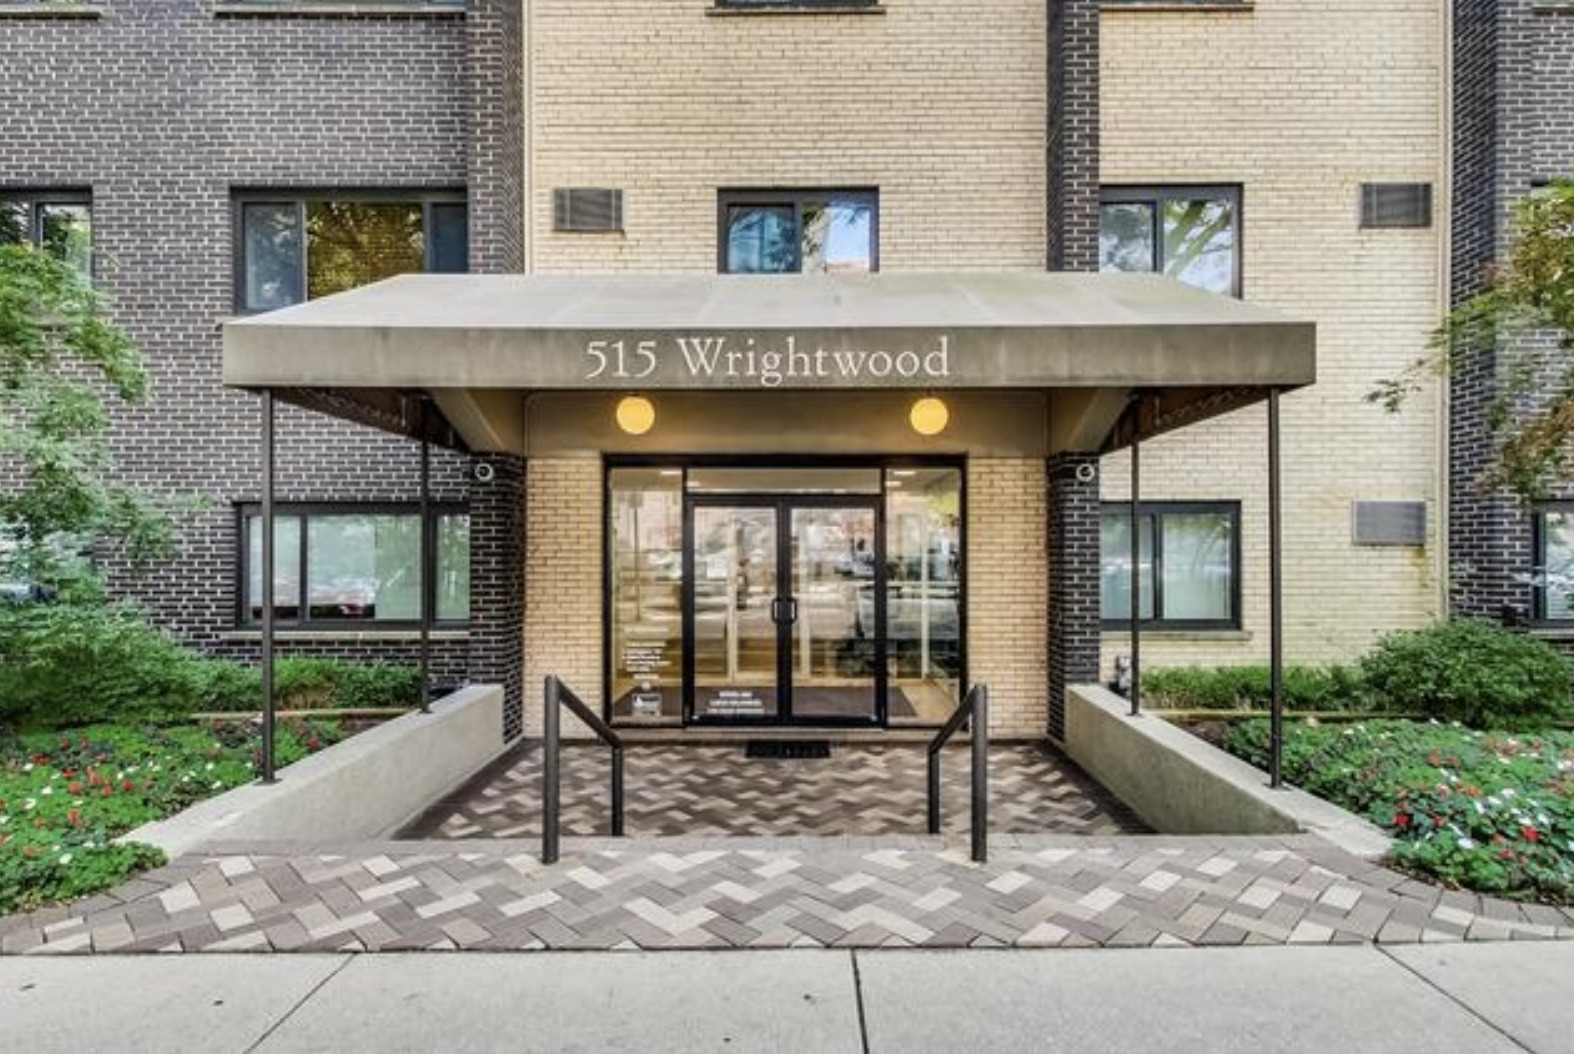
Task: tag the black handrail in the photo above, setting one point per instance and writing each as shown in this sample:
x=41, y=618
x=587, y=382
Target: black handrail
x=976, y=707
x=557, y=696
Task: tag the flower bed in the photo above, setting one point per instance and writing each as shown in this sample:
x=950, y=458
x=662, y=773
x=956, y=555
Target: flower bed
x=1489, y=811
x=64, y=797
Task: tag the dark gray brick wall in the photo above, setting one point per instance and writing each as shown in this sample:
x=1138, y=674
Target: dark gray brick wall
x=1073, y=135
x=497, y=585
x=1074, y=624
x=161, y=108
x=1514, y=127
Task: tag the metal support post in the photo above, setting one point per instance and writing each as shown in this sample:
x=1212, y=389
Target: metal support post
x=1136, y=556
x=268, y=579
x=428, y=575
x=981, y=775
x=1275, y=599
x=551, y=772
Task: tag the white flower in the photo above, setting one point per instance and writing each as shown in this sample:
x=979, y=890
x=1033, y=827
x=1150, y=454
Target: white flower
x=65, y=858
x=1508, y=792
x=28, y=804
x=47, y=791
x=1467, y=843
x=28, y=767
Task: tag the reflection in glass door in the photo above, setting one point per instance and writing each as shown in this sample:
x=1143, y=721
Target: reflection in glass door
x=734, y=615
x=834, y=631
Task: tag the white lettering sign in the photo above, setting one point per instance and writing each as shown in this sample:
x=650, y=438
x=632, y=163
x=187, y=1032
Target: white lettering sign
x=717, y=359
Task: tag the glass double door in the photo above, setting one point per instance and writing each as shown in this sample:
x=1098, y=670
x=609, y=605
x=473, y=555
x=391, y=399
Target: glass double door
x=784, y=610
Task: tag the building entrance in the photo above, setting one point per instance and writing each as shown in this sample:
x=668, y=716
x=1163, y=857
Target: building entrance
x=778, y=594
x=784, y=610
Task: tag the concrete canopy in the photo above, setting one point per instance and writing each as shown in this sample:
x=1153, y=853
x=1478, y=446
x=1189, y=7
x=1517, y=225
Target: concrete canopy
x=474, y=341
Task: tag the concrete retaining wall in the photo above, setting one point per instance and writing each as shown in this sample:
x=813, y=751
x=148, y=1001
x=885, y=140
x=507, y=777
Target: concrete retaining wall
x=1179, y=784
x=366, y=787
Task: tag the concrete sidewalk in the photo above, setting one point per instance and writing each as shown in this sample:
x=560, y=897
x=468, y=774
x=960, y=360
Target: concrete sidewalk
x=1460, y=997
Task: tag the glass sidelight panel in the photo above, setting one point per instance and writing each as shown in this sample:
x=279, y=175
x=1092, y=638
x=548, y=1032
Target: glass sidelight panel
x=832, y=611
x=924, y=589
x=735, y=609
x=646, y=569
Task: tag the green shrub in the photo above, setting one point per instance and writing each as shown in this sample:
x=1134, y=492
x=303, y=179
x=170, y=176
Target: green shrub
x=1247, y=688
x=69, y=664
x=63, y=665
x=1473, y=672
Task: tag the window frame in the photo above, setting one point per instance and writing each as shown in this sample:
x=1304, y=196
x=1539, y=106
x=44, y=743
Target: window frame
x=1158, y=510
x=300, y=198
x=245, y=511
x=1157, y=194
x=794, y=198
x=1538, y=564
x=37, y=200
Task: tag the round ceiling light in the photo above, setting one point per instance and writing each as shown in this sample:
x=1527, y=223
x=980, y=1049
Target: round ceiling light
x=929, y=416
x=636, y=415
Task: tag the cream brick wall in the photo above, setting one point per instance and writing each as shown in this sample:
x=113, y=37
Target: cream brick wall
x=1008, y=591
x=1301, y=102
x=937, y=103
x=562, y=582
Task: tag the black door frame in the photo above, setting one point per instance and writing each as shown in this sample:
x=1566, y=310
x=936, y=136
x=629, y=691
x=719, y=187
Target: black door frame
x=783, y=505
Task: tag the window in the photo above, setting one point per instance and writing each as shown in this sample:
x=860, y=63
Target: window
x=1188, y=233
x=337, y=565
x=792, y=231
x=60, y=223
x=1554, y=578
x=1190, y=565
x=294, y=248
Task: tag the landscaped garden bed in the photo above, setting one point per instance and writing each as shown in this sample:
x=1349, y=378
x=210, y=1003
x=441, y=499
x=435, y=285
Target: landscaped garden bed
x=65, y=796
x=1491, y=811
x=1477, y=791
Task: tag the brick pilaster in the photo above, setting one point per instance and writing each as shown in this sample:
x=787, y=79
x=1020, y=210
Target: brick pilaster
x=1074, y=626
x=497, y=583
x=1073, y=213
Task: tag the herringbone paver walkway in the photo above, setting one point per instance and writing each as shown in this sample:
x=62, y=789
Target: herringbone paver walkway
x=716, y=790
x=699, y=893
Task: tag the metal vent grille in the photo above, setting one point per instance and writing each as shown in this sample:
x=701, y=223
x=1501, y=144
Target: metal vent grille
x=1390, y=523
x=1396, y=205
x=792, y=749
x=587, y=209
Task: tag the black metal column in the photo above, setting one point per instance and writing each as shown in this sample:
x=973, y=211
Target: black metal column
x=551, y=769
x=980, y=815
x=1136, y=557
x=268, y=571
x=1275, y=599
x=428, y=564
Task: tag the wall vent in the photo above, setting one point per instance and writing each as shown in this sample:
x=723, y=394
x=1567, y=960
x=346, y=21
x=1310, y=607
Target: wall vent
x=1389, y=523
x=1396, y=205
x=587, y=209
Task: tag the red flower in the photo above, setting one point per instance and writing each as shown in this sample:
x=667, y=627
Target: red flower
x=106, y=792
x=127, y=785
x=28, y=850
x=1402, y=819
x=68, y=773
x=1531, y=834
x=75, y=818
x=1437, y=821
x=74, y=788
x=1506, y=854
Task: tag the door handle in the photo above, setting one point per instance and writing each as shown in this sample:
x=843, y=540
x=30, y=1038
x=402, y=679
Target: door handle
x=791, y=615
x=792, y=607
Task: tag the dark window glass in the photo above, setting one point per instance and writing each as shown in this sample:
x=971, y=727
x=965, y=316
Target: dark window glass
x=356, y=243
x=453, y=568
x=761, y=239
x=1126, y=240
x=1189, y=234
x=350, y=566
x=1555, y=566
x=779, y=232
x=273, y=256
x=304, y=248
x=450, y=239
x=61, y=226
x=1189, y=561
